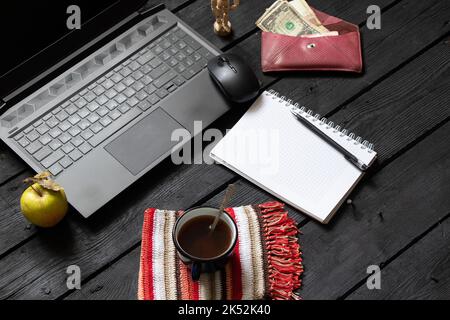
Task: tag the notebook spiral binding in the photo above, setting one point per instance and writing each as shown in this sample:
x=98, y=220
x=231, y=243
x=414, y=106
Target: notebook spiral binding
x=324, y=121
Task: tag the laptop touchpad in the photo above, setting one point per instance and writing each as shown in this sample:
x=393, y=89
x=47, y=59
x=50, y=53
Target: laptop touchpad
x=144, y=142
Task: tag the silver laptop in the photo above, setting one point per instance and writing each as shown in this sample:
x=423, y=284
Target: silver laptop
x=108, y=120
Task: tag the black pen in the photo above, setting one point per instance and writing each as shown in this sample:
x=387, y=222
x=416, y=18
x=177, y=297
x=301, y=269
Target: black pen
x=350, y=157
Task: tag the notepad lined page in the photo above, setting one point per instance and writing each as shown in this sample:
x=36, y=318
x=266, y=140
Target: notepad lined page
x=304, y=170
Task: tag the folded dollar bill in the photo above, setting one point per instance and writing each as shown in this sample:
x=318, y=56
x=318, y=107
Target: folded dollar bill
x=292, y=18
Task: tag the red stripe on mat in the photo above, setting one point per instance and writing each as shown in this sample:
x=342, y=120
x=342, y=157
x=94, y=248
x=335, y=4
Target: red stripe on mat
x=147, y=246
x=236, y=270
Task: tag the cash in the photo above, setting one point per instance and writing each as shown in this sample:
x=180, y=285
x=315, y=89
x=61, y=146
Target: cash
x=292, y=18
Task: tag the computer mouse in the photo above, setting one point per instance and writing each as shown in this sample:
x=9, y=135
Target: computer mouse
x=234, y=77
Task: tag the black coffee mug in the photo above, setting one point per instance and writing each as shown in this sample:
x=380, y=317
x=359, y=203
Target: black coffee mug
x=198, y=264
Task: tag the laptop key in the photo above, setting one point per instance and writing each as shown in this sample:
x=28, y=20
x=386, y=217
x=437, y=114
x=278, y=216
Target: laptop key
x=23, y=142
x=65, y=162
x=74, y=119
x=153, y=99
x=62, y=115
x=55, y=144
x=83, y=124
x=52, y=158
x=33, y=135
x=144, y=105
x=164, y=79
x=132, y=101
x=34, y=147
x=85, y=148
x=162, y=93
x=115, y=114
x=67, y=148
x=42, y=153
x=106, y=121
x=45, y=139
x=102, y=111
x=93, y=106
x=87, y=134
x=77, y=141
x=55, y=132
x=75, y=155
x=65, y=126
x=83, y=113
x=55, y=169
x=74, y=131
x=65, y=137
x=52, y=122
x=90, y=96
x=97, y=127
x=71, y=109
x=42, y=129
x=114, y=127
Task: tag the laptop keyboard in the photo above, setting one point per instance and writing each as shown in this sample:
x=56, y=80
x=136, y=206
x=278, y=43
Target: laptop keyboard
x=72, y=129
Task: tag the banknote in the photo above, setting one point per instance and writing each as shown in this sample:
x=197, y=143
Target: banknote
x=300, y=19
x=283, y=18
x=307, y=14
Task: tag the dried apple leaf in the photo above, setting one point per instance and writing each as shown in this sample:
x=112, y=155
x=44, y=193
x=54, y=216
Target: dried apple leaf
x=45, y=181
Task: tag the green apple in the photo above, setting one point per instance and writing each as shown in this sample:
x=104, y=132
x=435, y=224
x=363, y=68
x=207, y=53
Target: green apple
x=43, y=207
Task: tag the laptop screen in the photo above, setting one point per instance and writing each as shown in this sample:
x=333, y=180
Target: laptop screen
x=28, y=30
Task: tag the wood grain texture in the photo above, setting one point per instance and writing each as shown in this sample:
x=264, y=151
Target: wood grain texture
x=421, y=273
x=401, y=110
x=356, y=239
x=93, y=243
x=407, y=28
x=390, y=209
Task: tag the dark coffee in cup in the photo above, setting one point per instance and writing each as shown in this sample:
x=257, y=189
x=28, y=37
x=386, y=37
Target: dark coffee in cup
x=197, y=239
x=200, y=248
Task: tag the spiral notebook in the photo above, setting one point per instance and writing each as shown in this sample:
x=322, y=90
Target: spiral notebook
x=273, y=149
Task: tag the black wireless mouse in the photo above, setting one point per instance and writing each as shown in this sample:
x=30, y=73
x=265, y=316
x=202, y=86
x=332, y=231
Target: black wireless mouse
x=234, y=77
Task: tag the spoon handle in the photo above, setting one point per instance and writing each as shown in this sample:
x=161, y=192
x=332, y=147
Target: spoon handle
x=228, y=194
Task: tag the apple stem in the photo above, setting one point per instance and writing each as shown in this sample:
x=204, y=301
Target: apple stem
x=38, y=192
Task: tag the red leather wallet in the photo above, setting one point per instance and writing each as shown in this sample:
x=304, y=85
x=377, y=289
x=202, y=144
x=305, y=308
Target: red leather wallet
x=338, y=53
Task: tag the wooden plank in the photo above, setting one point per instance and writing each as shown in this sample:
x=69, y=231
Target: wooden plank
x=93, y=243
x=15, y=228
x=406, y=29
x=390, y=210
x=330, y=249
x=420, y=273
x=119, y=282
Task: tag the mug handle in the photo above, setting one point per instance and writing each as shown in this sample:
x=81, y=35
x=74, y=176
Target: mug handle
x=195, y=271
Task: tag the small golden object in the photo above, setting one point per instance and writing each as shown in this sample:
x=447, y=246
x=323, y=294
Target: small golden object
x=221, y=9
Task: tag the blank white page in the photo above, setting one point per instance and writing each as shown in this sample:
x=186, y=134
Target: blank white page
x=287, y=159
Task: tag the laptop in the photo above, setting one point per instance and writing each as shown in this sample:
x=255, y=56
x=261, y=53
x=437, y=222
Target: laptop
x=106, y=115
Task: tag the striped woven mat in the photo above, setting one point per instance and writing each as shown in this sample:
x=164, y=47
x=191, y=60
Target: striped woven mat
x=266, y=263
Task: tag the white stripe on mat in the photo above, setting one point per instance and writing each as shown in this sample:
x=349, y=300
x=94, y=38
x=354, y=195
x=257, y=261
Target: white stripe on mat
x=257, y=252
x=159, y=287
x=245, y=253
x=171, y=278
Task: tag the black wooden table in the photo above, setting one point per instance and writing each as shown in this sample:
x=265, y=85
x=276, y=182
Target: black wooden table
x=399, y=217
